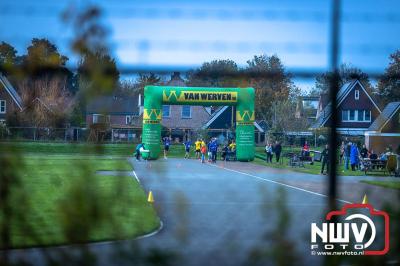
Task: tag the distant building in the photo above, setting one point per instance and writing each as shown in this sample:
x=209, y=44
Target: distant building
x=120, y=116
x=384, y=132
x=10, y=101
x=356, y=107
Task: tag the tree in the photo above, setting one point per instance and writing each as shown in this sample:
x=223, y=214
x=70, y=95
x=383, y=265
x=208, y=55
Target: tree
x=43, y=53
x=271, y=83
x=347, y=72
x=43, y=60
x=8, y=55
x=97, y=73
x=283, y=117
x=389, y=83
x=217, y=73
x=46, y=101
x=147, y=79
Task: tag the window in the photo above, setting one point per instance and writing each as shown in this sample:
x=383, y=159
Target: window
x=367, y=115
x=357, y=94
x=352, y=115
x=98, y=118
x=356, y=116
x=345, y=115
x=360, y=115
x=128, y=120
x=186, y=111
x=2, y=106
x=166, y=109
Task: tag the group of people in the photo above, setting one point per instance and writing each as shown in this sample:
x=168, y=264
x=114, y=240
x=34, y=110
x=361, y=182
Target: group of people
x=201, y=149
x=211, y=149
x=351, y=155
x=270, y=150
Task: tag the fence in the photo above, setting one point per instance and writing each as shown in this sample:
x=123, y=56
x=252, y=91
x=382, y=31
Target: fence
x=178, y=135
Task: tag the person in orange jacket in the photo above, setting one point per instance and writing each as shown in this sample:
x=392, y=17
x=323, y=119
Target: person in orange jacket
x=203, y=152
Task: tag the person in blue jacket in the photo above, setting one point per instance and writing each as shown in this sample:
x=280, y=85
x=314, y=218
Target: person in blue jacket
x=214, y=149
x=138, y=149
x=354, y=157
x=209, y=153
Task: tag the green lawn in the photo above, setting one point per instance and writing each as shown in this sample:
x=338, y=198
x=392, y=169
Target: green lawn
x=58, y=199
x=70, y=148
x=120, y=149
x=386, y=184
x=176, y=151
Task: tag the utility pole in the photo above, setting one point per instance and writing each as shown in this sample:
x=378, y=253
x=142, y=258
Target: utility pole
x=334, y=88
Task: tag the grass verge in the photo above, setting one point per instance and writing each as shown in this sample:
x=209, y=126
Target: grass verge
x=385, y=184
x=60, y=200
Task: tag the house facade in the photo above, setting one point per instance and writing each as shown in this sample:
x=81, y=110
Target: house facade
x=10, y=101
x=183, y=121
x=385, y=130
x=356, y=107
x=119, y=116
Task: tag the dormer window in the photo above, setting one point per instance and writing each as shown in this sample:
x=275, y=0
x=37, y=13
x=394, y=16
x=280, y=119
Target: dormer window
x=357, y=94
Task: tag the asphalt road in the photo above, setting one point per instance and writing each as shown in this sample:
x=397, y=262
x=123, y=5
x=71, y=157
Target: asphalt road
x=231, y=213
x=235, y=213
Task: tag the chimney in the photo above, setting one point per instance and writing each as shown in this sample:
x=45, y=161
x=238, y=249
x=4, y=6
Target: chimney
x=140, y=104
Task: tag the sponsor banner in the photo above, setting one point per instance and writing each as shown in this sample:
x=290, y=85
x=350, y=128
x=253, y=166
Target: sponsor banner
x=199, y=96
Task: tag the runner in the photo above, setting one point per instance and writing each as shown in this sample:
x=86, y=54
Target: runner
x=232, y=146
x=187, y=144
x=197, y=145
x=167, y=142
x=203, y=151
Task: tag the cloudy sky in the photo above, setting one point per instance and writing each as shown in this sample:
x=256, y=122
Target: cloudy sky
x=185, y=34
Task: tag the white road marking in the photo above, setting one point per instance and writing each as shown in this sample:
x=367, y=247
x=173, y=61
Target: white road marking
x=134, y=173
x=279, y=183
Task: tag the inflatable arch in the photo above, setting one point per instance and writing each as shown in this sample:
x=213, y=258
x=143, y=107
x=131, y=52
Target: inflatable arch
x=242, y=98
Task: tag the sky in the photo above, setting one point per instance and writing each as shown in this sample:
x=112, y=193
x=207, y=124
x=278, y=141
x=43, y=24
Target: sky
x=184, y=34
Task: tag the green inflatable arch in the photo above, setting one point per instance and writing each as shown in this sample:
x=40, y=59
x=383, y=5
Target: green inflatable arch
x=242, y=98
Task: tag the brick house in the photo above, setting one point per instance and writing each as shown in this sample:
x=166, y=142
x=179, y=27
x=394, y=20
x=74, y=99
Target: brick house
x=10, y=101
x=357, y=110
x=183, y=121
x=385, y=130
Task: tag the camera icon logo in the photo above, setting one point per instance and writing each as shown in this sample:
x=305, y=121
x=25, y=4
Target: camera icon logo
x=355, y=234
